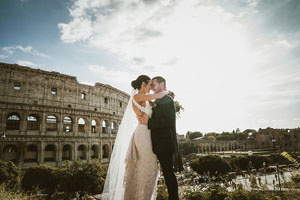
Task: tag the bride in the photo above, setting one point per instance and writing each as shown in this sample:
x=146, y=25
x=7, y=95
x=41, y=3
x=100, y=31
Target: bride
x=133, y=169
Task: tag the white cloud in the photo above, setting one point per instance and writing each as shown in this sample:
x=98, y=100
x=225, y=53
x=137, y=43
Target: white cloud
x=210, y=57
x=116, y=77
x=3, y=56
x=29, y=50
x=28, y=64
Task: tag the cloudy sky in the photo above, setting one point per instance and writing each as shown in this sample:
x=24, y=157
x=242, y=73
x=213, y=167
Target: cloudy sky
x=231, y=63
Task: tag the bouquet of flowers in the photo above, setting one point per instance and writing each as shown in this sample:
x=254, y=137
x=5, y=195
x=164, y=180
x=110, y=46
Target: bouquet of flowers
x=178, y=106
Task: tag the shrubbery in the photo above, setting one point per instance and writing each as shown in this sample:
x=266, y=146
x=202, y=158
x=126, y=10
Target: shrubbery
x=40, y=178
x=80, y=179
x=217, y=192
x=9, y=174
x=242, y=162
x=212, y=163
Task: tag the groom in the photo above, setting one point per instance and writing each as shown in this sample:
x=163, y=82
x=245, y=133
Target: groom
x=163, y=134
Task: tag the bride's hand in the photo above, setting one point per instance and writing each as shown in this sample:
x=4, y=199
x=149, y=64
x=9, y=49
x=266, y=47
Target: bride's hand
x=162, y=94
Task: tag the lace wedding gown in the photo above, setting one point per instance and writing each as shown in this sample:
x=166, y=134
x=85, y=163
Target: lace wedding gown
x=141, y=173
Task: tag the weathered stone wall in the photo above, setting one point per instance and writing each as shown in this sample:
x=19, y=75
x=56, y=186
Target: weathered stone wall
x=48, y=117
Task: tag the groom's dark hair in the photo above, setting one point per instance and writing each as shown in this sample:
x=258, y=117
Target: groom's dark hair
x=160, y=79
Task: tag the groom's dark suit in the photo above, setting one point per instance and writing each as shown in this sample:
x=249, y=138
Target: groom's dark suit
x=164, y=141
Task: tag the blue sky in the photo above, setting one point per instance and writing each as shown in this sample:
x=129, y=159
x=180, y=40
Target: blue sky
x=232, y=64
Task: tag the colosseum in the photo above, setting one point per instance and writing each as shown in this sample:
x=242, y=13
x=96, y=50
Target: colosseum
x=48, y=117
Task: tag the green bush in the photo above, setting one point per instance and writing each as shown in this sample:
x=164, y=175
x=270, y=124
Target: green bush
x=40, y=178
x=162, y=193
x=9, y=195
x=83, y=178
x=242, y=162
x=211, y=163
x=187, y=148
x=9, y=174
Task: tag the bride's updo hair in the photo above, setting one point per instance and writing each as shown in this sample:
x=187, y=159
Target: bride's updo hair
x=137, y=84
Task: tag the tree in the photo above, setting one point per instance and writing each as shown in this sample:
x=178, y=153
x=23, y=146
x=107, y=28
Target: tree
x=83, y=177
x=40, y=178
x=242, y=162
x=9, y=174
x=193, y=135
x=211, y=163
x=187, y=148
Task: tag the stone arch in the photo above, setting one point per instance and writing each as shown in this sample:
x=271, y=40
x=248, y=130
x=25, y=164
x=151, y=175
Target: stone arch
x=81, y=125
x=31, y=153
x=82, y=152
x=33, y=122
x=114, y=128
x=51, y=123
x=104, y=126
x=13, y=121
x=93, y=126
x=94, y=152
x=50, y=153
x=67, y=152
x=67, y=124
x=10, y=153
x=105, y=149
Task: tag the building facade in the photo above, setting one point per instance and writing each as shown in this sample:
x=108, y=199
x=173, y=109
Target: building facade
x=267, y=139
x=48, y=117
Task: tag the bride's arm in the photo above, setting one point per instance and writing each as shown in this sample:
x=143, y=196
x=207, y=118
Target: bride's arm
x=148, y=97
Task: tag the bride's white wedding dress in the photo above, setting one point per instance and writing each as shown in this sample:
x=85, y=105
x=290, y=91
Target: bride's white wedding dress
x=141, y=172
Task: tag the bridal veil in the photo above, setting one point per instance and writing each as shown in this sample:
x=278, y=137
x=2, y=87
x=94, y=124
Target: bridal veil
x=113, y=187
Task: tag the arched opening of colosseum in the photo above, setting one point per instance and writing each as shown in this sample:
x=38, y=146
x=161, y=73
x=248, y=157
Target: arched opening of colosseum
x=13, y=122
x=82, y=152
x=114, y=128
x=83, y=96
x=94, y=152
x=93, y=126
x=33, y=122
x=81, y=125
x=105, y=149
x=104, y=126
x=51, y=123
x=67, y=152
x=67, y=127
x=49, y=153
x=31, y=153
x=10, y=153
x=17, y=86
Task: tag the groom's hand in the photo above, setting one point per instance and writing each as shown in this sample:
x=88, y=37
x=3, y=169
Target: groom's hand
x=144, y=119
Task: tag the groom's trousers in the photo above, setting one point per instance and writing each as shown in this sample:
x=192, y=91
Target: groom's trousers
x=166, y=163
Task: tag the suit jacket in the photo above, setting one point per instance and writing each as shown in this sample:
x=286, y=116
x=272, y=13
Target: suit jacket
x=163, y=127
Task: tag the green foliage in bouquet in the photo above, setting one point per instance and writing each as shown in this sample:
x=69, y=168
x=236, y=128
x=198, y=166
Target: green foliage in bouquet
x=178, y=108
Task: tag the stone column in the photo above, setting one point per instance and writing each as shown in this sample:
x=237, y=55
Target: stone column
x=89, y=125
x=58, y=155
x=22, y=146
x=23, y=124
x=43, y=124
x=101, y=151
x=109, y=128
x=88, y=152
x=41, y=152
x=60, y=124
x=75, y=125
x=75, y=151
x=3, y=122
